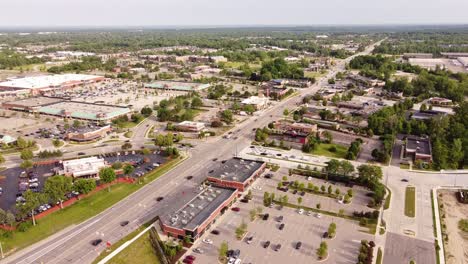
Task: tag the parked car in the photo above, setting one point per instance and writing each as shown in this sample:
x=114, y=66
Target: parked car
x=189, y=177
x=124, y=223
x=249, y=240
x=318, y=215
x=198, y=250
x=300, y=211
x=207, y=241
x=215, y=232
x=236, y=209
x=281, y=227
x=187, y=261
x=280, y=218
x=265, y=216
x=191, y=257
x=277, y=247
x=266, y=244
x=325, y=235
x=160, y=198
x=404, y=180
x=244, y=200
x=96, y=242
x=298, y=245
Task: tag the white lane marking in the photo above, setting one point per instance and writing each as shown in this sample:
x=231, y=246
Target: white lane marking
x=31, y=258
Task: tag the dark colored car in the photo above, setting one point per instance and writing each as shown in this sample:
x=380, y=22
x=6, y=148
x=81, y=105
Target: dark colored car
x=96, y=242
x=404, y=180
x=244, y=200
x=325, y=235
x=295, y=191
x=189, y=177
x=302, y=193
x=191, y=257
x=159, y=198
x=124, y=223
x=269, y=175
x=215, y=159
x=278, y=247
x=281, y=227
x=81, y=153
x=280, y=218
x=265, y=216
x=187, y=261
x=298, y=245
x=215, y=232
x=266, y=244
x=236, y=209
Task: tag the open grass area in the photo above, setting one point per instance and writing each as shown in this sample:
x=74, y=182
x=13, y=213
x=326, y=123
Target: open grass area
x=238, y=64
x=379, y=256
x=139, y=252
x=410, y=201
x=78, y=212
x=315, y=75
x=324, y=150
x=128, y=134
x=120, y=242
x=404, y=166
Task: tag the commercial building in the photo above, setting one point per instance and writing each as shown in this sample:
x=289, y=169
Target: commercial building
x=439, y=101
x=430, y=64
x=418, y=148
x=30, y=105
x=88, y=133
x=418, y=55
x=294, y=129
x=198, y=214
x=454, y=55
x=39, y=84
x=236, y=173
x=177, y=86
x=84, y=111
x=189, y=126
x=85, y=167
x=427, y=114
x=257, y=102
x=6, y=139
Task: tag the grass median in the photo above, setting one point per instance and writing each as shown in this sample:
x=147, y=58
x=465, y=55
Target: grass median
x=410, y=201
x=78, y=212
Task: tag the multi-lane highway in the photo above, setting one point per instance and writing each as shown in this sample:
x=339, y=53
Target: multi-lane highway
x=73, y=244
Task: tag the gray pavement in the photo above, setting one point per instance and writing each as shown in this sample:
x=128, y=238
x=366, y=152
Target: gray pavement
x=73, y=244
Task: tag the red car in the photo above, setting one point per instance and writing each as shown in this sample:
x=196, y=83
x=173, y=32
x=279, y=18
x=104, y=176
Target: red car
x=191, y=257
x=236, y=209
x=187, y=261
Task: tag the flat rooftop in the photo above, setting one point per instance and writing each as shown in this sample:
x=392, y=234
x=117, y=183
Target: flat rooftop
x=35, y=102
x=180, y=86
x=196, y=211
x=45, y=81
x=85, y=110
x=235, y=169
x=421, y=145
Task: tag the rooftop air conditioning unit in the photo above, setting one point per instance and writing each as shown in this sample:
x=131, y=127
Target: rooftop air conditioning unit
x=209, y=199
x=201, y=197
x=192, y=213
x=200, y=207
x=184, y=222
x=218, y=191
x=191, y=205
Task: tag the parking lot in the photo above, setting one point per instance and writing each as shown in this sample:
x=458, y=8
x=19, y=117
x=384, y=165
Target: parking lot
x=308, y=229
x=14, y=182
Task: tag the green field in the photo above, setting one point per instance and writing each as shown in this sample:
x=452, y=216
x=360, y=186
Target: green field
x=323, y=150
x=379, y=256
x=410, y=201
x=78, y=212
x=128, y=134
x=139, y=252
x=237, y=64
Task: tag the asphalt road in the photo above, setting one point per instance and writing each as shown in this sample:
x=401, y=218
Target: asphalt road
x=72, y=245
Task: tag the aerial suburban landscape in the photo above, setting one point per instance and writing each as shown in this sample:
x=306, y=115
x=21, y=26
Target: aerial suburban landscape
x=233, y=144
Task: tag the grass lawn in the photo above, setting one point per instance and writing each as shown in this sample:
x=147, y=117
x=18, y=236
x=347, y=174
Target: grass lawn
x=410, y=201
x=404, y=166
x=128, y=134
x=139, y=252
x=324, y=150
x=315, y=75
x=120, y=242
x=379, y=256
x=78, y=212
x=127, y=124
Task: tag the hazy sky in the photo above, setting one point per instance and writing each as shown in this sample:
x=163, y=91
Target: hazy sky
x=229, y=12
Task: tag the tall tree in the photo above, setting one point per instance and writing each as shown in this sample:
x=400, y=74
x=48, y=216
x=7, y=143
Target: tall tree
x=56, y=187
x=107, y=175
